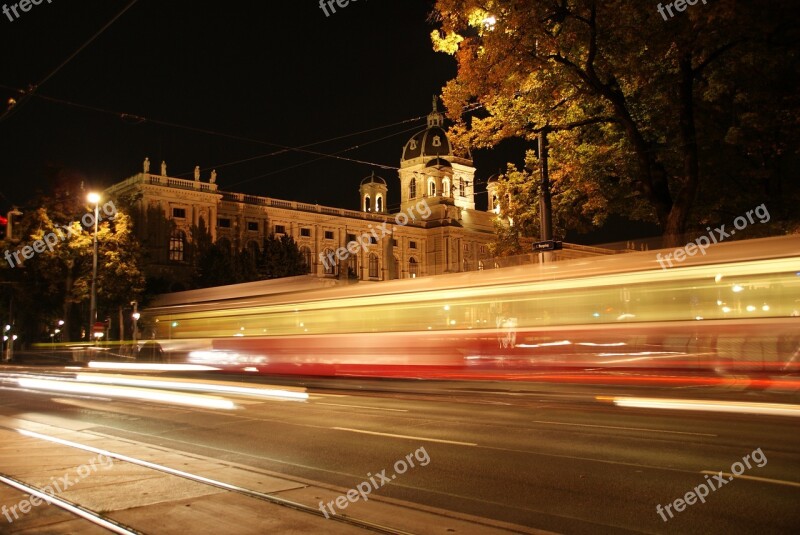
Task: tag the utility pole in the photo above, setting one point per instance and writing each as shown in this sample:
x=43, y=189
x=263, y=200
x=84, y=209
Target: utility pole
x=545, y=203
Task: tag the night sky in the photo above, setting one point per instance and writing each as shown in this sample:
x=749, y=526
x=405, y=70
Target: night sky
x=277, y=72
x=252, y=76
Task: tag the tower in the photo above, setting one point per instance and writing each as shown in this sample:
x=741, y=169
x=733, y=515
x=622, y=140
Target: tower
x=373, y=191
x=430, y=169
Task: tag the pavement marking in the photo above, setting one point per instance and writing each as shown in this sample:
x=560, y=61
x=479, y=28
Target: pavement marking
x=405, y=436
x=627, y=428
x=362, y=407
x=731, y=477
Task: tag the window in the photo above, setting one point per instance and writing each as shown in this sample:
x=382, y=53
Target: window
x=413, y=268
x=305, y=232
x=252, y=226
x=280, y=229
x=480, y=265
x=306, y=252
x=179, y=213
x=483, y=249
x=351, y=237
x=373, y=266
x=328, y=234
x=412, y=245
x=379, y=203
x=466, y=247
x=432, y=189
x=329, y=262
x=462, y=187
x=373, y=240
x=412, y=188
x=446, y=187
x=394, y=242
x=224, y=222
x=177, y=246
x=367, y=204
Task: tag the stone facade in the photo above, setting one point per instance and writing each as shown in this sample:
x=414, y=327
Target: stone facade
x=433, y=180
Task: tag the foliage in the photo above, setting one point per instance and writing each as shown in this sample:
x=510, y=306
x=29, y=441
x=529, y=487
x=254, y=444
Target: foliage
x=680, y=122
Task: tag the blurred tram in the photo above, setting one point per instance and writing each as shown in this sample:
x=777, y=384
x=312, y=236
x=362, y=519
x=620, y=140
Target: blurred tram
x=734, y=309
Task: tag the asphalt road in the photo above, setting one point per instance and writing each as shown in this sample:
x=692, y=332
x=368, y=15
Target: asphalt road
x=555, y=457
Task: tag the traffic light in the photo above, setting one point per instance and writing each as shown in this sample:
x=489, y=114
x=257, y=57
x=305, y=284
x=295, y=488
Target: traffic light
x=3, y=223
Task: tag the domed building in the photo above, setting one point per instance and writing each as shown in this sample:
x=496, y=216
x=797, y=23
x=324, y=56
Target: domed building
x=436, y=230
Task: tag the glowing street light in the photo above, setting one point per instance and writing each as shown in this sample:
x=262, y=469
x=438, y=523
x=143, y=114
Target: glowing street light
x=94, y=198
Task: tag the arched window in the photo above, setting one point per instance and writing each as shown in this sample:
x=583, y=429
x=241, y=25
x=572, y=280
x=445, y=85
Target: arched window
x=329, y=262
x=252, y=248
x=431, y=188
x=379, y=204
x=352, y=267
x=373, y=266
x=462, y=187
x=367, y=203
x=412, y=188
x=177, y=246
x=306, y=252
x=413, y=267
x=225, y=245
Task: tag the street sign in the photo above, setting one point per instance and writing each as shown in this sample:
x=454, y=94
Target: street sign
x=549, y=245
x=99, y=327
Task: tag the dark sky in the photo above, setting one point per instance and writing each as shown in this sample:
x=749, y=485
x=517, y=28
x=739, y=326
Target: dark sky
x=274, y=72
x=279, y=72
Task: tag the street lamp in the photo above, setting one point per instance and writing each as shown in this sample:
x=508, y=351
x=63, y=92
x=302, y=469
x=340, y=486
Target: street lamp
x=94, y=198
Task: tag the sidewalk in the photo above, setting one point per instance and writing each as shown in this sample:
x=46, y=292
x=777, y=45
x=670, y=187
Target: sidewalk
x=152, y=501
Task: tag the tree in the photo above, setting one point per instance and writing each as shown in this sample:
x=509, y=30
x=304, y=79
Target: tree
x=679, y=122
x=54, y=282
x=281, y=258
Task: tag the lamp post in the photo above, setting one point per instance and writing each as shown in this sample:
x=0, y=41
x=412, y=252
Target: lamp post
x=94, y=198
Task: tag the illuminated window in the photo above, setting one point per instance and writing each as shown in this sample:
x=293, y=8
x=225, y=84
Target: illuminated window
x=367, y=204
x=177, y=246
x=432, y=188
x=412, y=189
x=413, y=267
x=462, y=188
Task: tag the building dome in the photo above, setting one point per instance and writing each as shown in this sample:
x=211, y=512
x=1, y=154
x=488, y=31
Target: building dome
x=438, y=163
x=431, y=142
x=373, y=179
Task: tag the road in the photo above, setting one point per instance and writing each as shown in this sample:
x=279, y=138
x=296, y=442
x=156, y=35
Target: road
x=559, y=457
